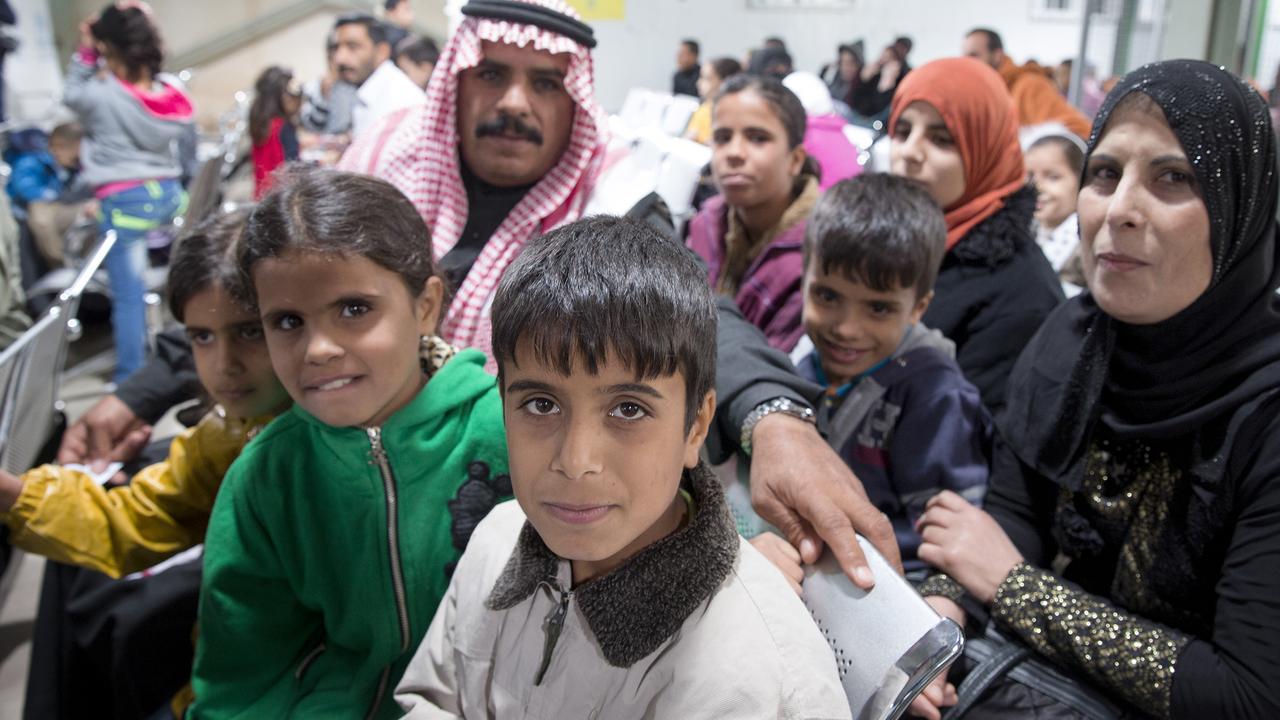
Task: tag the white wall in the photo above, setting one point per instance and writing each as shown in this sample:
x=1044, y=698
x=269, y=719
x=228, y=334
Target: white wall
x=639, y=51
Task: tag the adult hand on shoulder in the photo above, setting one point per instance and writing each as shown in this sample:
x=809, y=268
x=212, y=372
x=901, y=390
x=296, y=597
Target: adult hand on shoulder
x=108, y=432
x=801, y=486
x=939, y=693
x=967, y=544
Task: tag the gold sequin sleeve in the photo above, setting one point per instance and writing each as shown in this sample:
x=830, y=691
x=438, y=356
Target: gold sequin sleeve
x=941, y=585
x=1131, y=656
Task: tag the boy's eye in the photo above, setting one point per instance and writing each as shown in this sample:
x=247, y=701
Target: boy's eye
x=287, y=322
x=824, y=295
x=250, y=332
x=540, y=407
x=628, y=411
x=721, y=136
x=880, y=309
x=200, y=337
x=354, y=309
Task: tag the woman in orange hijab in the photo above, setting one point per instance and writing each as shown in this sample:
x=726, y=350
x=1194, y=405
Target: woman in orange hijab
x=954, y=129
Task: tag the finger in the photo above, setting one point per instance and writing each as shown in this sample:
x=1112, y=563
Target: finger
x=75, y=445
x=118, y=479
x=949, y=696
x=100, y=442
x=922, y=708
x=933, y=693
x=932, y=555
x=835, y=527
x=947, y=499
x=938, y=516
x=132, y=444
x=794, y=573
x=872, y=524
x=797, y=531
x=935, y=535
x=771, y=545
x=787, y=549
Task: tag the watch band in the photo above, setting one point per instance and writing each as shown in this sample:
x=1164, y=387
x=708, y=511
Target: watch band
x=769, y=407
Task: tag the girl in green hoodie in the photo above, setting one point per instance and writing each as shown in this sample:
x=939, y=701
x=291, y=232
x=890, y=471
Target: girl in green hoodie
x=334, y=534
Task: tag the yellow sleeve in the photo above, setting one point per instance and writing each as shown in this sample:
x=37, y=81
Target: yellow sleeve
x=699, y=127
x=65, y=516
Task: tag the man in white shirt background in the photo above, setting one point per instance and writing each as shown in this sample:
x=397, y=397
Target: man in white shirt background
x=363, y=58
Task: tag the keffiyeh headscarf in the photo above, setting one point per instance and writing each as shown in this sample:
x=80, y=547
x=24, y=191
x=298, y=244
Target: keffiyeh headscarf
x=416, y=150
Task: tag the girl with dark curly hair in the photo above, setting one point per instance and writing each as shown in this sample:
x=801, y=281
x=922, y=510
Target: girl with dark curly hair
x=133, y=119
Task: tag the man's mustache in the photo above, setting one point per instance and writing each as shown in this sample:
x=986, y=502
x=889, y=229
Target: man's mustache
x=506, y=124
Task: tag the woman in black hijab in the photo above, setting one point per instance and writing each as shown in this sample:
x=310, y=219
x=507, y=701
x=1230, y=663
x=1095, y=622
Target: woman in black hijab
x=1141, y=441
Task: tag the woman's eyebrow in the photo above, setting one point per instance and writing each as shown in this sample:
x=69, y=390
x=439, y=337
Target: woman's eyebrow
x=1170, y=160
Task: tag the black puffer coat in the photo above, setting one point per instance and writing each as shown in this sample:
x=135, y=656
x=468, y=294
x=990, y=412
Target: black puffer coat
x=993, y=291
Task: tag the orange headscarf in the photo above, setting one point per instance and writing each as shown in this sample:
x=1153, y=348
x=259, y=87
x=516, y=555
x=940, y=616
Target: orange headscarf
x=975, y=104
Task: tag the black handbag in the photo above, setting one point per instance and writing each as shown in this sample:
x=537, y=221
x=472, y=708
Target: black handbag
x=1008, y=680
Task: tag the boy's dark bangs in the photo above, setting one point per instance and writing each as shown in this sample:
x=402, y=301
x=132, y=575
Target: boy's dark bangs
x=608, y=290
x=889, y=268
x=592, y=330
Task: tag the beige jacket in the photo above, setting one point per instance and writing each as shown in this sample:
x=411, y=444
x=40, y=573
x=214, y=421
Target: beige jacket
x=698, y=625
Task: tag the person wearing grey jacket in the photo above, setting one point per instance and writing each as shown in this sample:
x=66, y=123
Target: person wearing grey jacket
x=134, y=122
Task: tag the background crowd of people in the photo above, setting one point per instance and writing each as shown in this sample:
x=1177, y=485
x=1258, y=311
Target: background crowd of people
x=1031, y=354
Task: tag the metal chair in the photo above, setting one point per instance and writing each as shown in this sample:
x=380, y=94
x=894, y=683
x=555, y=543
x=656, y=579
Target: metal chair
x=30, y=377
x=32, y=370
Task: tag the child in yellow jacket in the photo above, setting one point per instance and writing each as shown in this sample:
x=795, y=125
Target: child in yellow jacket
x=65, y=515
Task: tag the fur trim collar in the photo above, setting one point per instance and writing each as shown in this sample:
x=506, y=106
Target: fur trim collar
x=997, y=239
x=636, y=608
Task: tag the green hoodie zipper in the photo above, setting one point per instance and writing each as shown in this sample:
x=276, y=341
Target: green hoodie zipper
x=378, y=457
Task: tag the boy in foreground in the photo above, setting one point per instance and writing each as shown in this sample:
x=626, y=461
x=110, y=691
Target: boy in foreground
x=616, y=585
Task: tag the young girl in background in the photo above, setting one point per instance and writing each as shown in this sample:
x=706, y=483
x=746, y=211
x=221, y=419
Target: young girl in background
x=1054, y=164
x=752, y=232
x=68, y=517
x=710, y=77
x=335, y=534
x=133, y=119
x=273, y=124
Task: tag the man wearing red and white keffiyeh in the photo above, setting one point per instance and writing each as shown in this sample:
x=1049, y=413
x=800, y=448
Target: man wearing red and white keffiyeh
x=510, y=122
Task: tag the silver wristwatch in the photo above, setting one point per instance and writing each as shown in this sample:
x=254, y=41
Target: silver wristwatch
x=778, y=404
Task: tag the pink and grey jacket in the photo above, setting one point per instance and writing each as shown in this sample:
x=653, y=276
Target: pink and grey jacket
x=769, y=294
x=133, y=135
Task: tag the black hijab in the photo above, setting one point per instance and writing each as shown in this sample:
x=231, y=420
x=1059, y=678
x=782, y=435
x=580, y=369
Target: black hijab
x=1199, y=374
